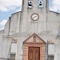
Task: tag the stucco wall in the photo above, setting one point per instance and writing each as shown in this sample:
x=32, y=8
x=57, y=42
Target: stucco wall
x=1, y=34
x=6, y=47
x=15, y=23
x=7, y=27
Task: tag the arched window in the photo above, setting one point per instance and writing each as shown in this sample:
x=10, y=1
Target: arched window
x=30, y=3
x=40, y=3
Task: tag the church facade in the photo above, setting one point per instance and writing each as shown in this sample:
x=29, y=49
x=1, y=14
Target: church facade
x=32, y=33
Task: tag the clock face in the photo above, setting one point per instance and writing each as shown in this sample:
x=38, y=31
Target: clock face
x=34, y=16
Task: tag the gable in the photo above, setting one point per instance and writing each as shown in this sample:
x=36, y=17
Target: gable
x=34, y=39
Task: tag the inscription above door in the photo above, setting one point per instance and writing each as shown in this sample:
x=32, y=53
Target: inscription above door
x=34, y=53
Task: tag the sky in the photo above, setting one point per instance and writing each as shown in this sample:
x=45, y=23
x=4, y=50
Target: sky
x=8, y=7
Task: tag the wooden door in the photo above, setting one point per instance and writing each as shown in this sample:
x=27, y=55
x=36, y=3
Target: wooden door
x=34, y=53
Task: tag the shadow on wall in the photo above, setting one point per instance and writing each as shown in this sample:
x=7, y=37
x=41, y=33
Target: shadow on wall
x=58, y=35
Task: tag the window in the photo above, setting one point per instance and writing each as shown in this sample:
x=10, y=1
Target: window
x=12, y=57
x=8, y=59
x=50, y=51
x=40, y=3
x=29, y=3
x=13, y=51
x=50, y=57
x=13, y=47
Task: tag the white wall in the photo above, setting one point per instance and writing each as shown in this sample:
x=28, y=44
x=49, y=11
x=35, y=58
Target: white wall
x=1, y=34
x=15, y=23
x=6, y=47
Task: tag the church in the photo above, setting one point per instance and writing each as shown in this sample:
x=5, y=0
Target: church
x=32, y=33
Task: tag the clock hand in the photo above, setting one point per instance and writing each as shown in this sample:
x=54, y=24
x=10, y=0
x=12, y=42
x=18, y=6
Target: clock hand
x=34, y=16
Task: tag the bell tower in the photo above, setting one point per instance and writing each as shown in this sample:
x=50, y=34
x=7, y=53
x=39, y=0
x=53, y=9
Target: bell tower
x=33, y=11
x=35, y=4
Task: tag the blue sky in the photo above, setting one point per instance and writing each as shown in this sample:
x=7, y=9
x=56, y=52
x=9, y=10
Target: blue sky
x=7, y=7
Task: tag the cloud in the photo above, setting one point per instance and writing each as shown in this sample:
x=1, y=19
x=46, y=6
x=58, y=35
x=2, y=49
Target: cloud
x=55, y=6
x=6, y=5
x=2, y=24
x=19, y=9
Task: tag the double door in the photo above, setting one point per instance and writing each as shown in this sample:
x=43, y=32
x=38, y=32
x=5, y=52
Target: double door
x=34, y=53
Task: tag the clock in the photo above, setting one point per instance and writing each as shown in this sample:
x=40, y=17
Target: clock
x=34, y=16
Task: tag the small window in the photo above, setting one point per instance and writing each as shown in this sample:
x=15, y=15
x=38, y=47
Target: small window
x=8, y=59
x=29, y=3
x=40, y=3
x=12, y=57
x=50, y=57
x=50, y=49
